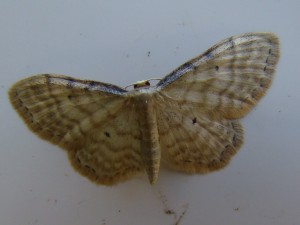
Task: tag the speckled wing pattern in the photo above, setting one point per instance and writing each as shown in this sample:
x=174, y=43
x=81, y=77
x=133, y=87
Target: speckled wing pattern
x=203, y=98
x=89, y=119
x=193, y=126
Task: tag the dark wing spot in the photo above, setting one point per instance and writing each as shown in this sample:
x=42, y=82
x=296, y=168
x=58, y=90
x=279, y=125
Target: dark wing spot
x=89, y=85
x=208, y=54
x=70, y=83
x=89, y=168
x=234, y=139
x=48, y=77
x=194, y=120
x=262, y=83
x=92, y=83
x=78, y=160
x=232, y=44
x=107, y=134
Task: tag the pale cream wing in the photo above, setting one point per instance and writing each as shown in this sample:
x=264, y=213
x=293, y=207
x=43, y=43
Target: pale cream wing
x=93, y=121
x=194, y=142
x=229, y=78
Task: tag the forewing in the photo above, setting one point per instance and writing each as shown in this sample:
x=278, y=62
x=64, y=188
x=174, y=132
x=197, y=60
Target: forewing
x=196, y=143
x=93, y=121
x=229, y=78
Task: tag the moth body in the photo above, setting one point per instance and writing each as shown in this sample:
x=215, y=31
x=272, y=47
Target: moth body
x=150, y=148
x=188, y=121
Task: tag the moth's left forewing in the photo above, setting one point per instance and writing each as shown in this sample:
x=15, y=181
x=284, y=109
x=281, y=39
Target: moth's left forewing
x=95, y=122
x=229, y=78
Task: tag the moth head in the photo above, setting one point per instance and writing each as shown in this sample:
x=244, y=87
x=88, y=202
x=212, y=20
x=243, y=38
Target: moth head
x=141, y=84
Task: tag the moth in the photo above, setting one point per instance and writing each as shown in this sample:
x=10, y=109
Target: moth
x=188, y=121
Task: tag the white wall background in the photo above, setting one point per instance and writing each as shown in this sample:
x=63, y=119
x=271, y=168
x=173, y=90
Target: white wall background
x=109, y=41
